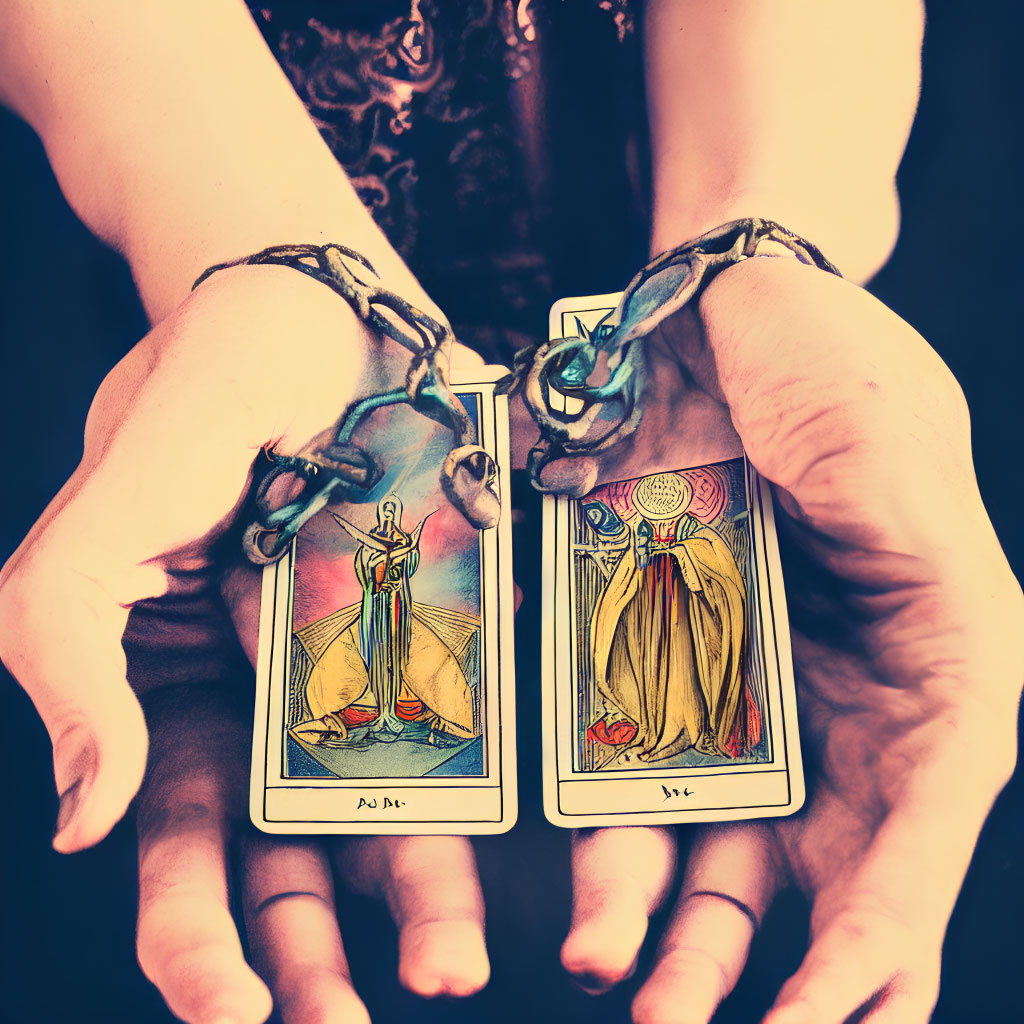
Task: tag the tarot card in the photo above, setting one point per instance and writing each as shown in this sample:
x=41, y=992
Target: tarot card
x=385, y=674
x=668, y=679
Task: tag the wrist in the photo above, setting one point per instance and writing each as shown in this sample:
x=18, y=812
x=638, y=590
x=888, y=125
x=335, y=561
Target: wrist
x=856, y=236
x=238, y=220
x=172, y=217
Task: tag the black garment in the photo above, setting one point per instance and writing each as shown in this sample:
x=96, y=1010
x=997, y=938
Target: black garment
x=494, y=141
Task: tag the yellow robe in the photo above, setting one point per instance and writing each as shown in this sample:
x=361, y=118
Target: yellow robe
x=334, y=675
x=667, y=642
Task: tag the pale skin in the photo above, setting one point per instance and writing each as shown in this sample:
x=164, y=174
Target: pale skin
x=158, y=483
x=865, y=434
x=909, y=706
x=832, y=395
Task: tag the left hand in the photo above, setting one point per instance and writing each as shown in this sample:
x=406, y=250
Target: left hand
x=908, y=658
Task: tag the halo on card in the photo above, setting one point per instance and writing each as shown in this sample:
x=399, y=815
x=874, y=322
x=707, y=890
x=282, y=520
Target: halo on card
x=662, y=496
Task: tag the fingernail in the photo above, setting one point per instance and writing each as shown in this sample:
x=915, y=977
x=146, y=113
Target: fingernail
x=594, y=985
x=591, y=984
x=70, y=800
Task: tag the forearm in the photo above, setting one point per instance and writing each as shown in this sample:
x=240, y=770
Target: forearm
x=792, y=110
x=177, y=139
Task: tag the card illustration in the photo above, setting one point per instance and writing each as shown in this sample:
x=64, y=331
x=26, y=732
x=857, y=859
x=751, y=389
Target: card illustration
x=379, y=680
x=660, y=578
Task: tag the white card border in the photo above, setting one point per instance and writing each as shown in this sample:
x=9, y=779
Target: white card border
x=557, y=721
x=485, y=806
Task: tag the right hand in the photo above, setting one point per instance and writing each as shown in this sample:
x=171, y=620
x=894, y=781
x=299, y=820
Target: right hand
x=136, y=540
x=260, y=355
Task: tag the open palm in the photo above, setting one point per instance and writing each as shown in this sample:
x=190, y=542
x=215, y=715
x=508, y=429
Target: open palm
x=906, y=632
x=133, y=551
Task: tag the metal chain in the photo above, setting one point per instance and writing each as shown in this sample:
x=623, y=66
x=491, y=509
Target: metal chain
x=608, y=412
x=343, y=469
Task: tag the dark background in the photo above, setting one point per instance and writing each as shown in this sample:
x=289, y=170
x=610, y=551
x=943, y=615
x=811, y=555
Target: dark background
x=69, y=312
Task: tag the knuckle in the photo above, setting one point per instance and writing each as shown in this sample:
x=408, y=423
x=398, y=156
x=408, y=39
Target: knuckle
x=442, y=931
x=163, y=901
x=180, y=968
x=164, y=967
x=159, y=820
x=695, y=961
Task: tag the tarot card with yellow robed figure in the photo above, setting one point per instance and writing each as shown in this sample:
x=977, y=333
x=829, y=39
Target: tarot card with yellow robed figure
x=385, y=677
x=668, y=676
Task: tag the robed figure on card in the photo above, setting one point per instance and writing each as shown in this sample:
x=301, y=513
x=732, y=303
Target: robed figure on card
x=388, y=674
x=667, y=635
x=666, y=615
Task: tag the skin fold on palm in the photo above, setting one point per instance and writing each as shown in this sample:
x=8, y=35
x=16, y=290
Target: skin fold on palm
x=906, y=625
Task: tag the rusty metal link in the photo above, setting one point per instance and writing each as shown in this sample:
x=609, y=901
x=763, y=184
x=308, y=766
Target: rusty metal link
x=605, y=413
x=342, y=469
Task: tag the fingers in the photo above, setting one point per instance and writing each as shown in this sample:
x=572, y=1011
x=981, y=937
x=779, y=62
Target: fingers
x=864, y=966
x=293, y=930
x=865, y=961
x=431, y=886
x=187, y=942
x=619, y=877
x=730, y=880
x=852, y=974
x=877, y=931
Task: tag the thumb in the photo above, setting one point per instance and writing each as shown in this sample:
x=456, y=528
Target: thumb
x=168, y=451
x=61, y=638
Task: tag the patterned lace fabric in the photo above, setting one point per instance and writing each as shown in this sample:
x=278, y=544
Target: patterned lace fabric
x=491, y=139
